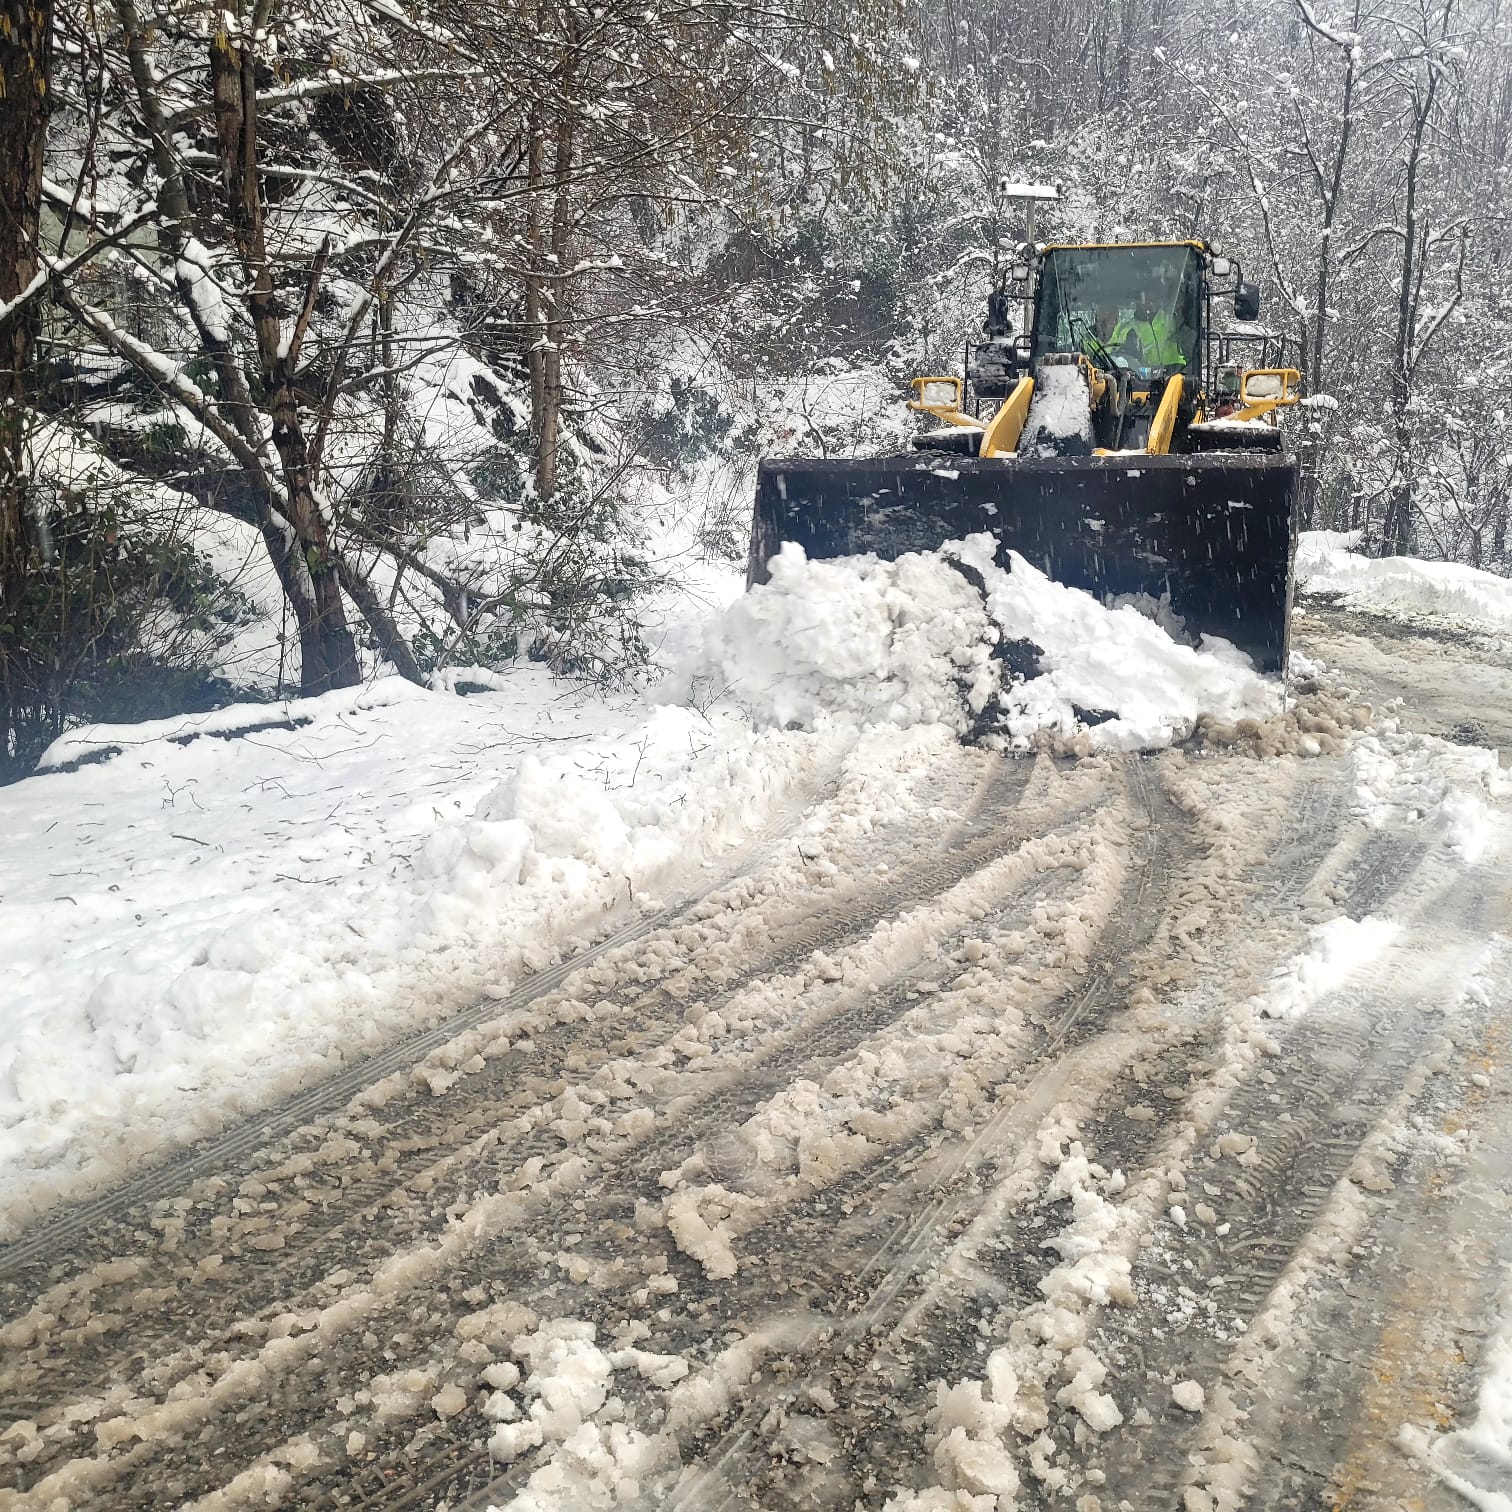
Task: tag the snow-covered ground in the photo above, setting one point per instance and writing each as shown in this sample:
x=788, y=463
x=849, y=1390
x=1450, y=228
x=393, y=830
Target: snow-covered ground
x=211, y=910
x=194, y=924
x=927, y=1016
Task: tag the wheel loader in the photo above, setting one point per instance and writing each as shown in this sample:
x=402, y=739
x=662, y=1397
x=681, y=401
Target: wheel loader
x=1122, y=439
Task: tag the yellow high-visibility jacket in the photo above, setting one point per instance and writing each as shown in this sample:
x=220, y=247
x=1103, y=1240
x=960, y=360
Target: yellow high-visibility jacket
x=1156, y=337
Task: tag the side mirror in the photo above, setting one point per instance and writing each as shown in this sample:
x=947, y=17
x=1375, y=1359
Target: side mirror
x=1247, y=302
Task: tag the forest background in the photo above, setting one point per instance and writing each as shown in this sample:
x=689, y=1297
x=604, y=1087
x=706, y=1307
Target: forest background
x=433, y=334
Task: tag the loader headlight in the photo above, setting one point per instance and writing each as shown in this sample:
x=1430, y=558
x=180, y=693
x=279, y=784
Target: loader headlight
x=1262, y=385
x=1270, y=385
x=937, y=393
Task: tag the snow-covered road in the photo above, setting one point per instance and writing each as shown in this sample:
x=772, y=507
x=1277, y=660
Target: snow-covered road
x=1125, y=1131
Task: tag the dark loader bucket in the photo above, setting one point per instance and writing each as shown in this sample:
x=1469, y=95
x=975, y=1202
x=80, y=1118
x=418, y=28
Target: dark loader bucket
x=1216, y=532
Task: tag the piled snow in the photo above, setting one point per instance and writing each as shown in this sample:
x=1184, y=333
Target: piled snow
x=881, y=642
x=192, y=924
x=579, y=1402
x=1401, y=586
x=1448, y=788
x=1060, y=418
x=595, y=1460
x=928, y=638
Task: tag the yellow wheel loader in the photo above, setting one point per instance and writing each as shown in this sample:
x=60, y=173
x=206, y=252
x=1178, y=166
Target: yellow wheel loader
x=1118, y=440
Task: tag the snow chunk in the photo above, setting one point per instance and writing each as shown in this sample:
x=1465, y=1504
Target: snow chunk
x=592, y=1460
x=975, y=1466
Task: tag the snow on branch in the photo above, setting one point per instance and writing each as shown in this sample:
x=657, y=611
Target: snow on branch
x=168, y=375
x=331, y=82
x=1362, y=245
x=441, y=186
x=1348, y=41
x=1430, y=327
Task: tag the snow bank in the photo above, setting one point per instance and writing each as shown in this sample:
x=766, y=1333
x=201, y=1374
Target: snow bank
x=950, y=637
x=1401, y=586
x=198, y=921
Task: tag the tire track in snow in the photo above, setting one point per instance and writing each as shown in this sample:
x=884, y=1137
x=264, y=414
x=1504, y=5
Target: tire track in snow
x=1064, y=1449
x=534, y=1236
x=1399, y=1325
x=1403, y=1331
x=1000, y=839
x=714, y=1297
x=458, y=1479
x=740, y=1458
x=421, y=1134
x=873, y=1276
x=1448, y=685
x=1310, y=1124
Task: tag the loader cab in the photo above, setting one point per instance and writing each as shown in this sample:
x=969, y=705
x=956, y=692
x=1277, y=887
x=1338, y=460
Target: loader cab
x=1133, y=309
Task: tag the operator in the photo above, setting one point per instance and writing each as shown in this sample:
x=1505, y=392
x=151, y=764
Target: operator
x=1152, y=331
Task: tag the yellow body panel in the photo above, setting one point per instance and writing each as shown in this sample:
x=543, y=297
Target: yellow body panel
x=1163, y=426
x=1005, y=427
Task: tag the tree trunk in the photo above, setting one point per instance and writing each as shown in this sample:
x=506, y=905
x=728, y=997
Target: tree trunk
x=25, y=69
x=1316, y=335
x=1397, y=520
x=548, y=441
x=535, y=318
x=390, y=638
x=328, y=653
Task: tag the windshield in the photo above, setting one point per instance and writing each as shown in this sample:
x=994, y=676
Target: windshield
x=1127, y=307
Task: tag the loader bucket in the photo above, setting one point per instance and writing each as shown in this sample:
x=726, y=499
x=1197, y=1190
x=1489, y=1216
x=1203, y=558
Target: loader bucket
x=1217, y=532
